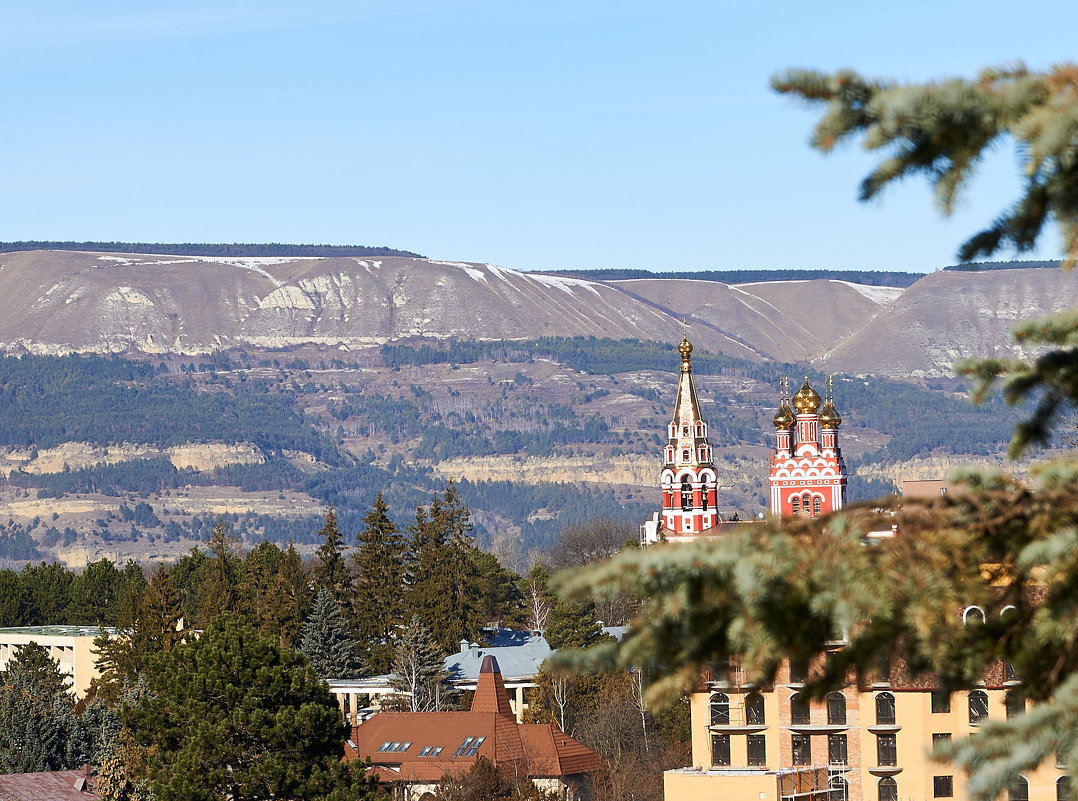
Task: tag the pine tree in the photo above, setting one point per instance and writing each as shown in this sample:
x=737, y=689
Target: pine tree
x=331, y=571
x=326, y=641
x=418, y=669
x=378, y=608
x=38, y=726
x=253, y=717
x=572, y=624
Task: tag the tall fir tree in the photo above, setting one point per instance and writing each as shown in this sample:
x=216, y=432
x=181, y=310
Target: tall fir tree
x=326, y=641
x=378, y=607
x=444, y=587
x=330, y=570
x=219, y=584
x=293, y=596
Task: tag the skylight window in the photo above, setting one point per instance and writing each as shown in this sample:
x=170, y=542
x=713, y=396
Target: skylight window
x=385, y=746
x=402, y=747
x=478, y=741
x=431, y=750
x=464, y=746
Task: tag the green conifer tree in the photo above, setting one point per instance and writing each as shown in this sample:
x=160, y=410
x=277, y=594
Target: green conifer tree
x=378, y=608
x=326, y=641
x=293, y=596
x=38, y=726
x=232, y=715
x=330, y=570
x=444, y=590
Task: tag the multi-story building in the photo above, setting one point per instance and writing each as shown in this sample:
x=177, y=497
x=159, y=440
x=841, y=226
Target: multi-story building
x=875, y=741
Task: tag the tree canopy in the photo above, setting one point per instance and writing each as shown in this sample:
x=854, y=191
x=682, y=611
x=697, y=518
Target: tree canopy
x=234, y=715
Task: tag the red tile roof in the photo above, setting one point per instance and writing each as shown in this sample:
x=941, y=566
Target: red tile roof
x=54, y=785
x=539, y=750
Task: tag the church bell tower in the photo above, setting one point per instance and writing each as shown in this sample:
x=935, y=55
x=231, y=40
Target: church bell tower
x=688, y=473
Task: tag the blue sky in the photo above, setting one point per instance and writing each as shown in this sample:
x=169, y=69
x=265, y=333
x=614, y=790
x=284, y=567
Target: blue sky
x=530, y=135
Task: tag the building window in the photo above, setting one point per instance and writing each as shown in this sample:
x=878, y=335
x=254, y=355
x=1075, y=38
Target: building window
x=816, y=507
x=840, y=789
x=836, y=709
x=836, y=749
x=685, y=455
x=973, y=615
x=1009, y=673
x=1019, y=791
x=1063, y=789
x=469, y=746
x=686, y=493
x=720, y=709
x=806, y=499
x=798, y=671
x=1015, y=706
x=941, y=702
x=887, y=789
x=978, y=706
x=703, y=498
x=720, y=750
x=754, y=709
x=802, y=749
x=795, y=504
x=684, y=431
x=757, y=749
x=799, y=710
x=885, y=709
x=939, y=742
x=942, y=786
x=887, y=750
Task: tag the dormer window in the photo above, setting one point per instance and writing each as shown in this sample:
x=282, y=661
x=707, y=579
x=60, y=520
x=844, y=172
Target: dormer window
x=684, y=431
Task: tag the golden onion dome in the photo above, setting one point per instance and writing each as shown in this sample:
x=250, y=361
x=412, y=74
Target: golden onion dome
x=807, y=400
x=784, y=418
x=685, y=348
x=829, y=416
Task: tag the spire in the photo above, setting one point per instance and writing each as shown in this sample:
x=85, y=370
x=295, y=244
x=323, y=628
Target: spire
x=490, y=693
x=687, y=404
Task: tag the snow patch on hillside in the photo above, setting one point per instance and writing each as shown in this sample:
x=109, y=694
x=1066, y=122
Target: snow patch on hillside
x=564, y=284
x=884, y=295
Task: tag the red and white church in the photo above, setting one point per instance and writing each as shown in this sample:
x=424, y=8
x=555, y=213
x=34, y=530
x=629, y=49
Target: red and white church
x=807, y=475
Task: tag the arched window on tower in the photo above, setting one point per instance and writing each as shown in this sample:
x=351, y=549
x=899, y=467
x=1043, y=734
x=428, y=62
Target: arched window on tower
x=686, y=495
x=795, y=504
x=703, y=497
x=816, y=507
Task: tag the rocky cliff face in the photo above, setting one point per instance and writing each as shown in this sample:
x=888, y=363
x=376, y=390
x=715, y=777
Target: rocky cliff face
x=62, y=302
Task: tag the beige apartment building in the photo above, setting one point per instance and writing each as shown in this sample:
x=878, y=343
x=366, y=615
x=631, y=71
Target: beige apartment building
x=70, y=646
x=872, y=742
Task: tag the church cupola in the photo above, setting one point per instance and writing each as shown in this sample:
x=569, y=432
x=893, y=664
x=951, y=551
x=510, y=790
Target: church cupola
x=688, y=472
x=808, y=475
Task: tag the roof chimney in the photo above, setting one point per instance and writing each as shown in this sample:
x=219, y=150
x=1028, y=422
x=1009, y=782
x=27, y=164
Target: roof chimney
x=463, y=646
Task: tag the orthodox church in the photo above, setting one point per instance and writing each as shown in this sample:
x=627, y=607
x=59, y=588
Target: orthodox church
x=807, y=474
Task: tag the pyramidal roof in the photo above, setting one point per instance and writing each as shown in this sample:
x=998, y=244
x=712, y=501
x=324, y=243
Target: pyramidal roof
x=490, y=692
x=686, y=405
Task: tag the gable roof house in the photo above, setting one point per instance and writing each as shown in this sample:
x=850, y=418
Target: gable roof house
x=414, y=750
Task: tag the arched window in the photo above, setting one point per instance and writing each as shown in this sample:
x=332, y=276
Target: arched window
x=720, y=709
x=978, y=706
x=1016, y=706
x=973, y=614
x=684, y=431
x=885, y=709
x=816, y=507
x=806, y=499
x=754, y=709
x=887, y=789
x=799, y=710
x=703, y=497
x=840, y=789
x=1063, y=789
x=836, y=709
x=1019, y=791
x=795, y=504
x=686, y=495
